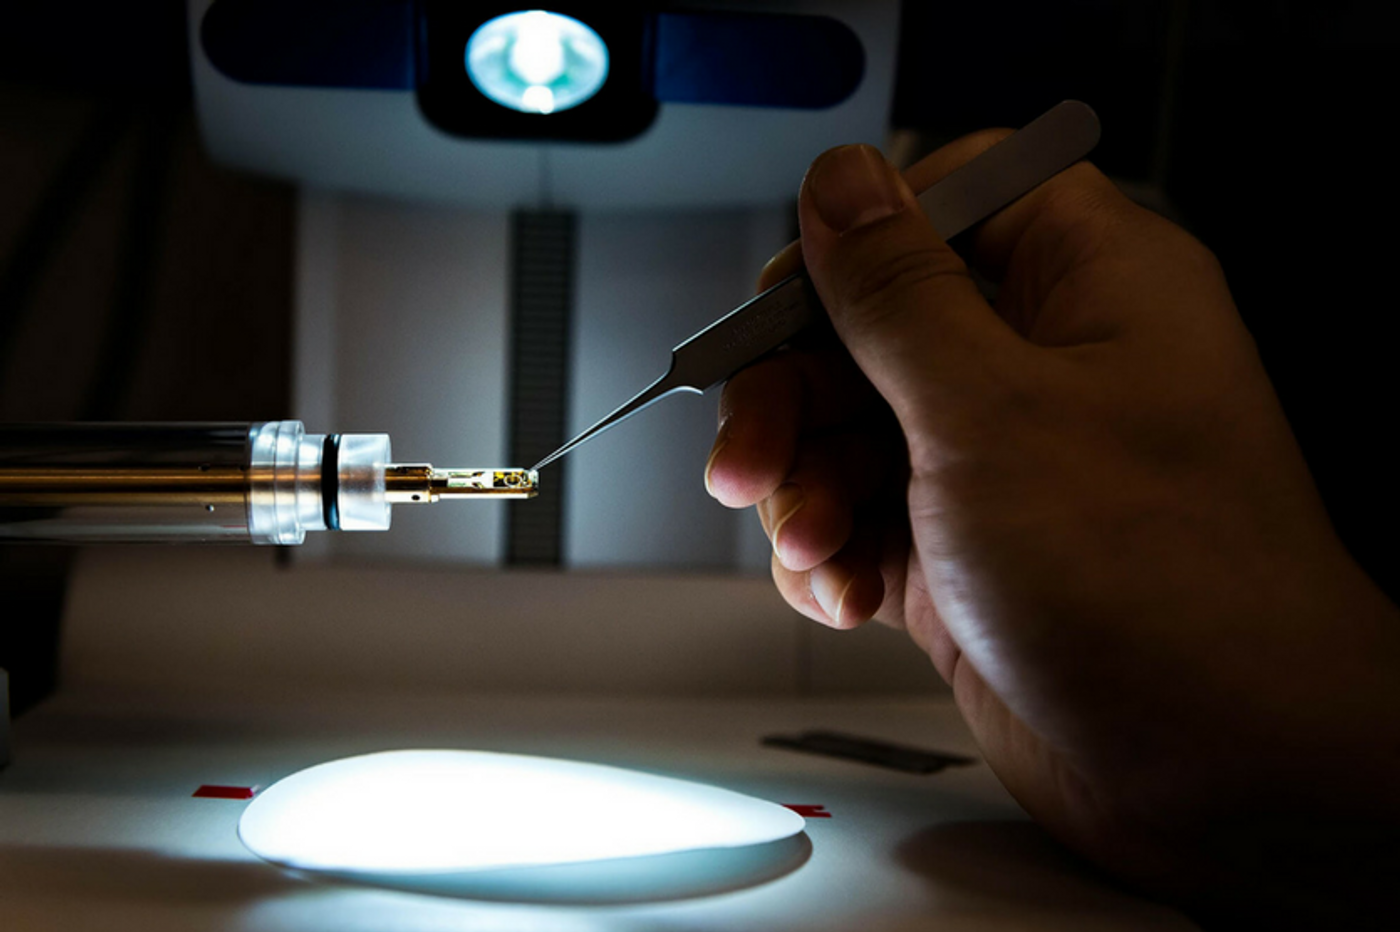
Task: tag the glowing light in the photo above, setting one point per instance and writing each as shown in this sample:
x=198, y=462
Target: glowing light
x=538, y=99
x=537, y=55
x=410, y=812
x=537, y=62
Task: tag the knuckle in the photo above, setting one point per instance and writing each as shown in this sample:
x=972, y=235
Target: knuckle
x=1082, y=202
x=1202, y=258
x=1083, y=206
x=874, y=286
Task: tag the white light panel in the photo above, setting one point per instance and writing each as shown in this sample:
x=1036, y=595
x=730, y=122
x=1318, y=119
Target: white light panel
x=417, y=812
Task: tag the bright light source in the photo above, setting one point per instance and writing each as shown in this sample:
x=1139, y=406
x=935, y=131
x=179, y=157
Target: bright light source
x=410, y=812
x=539, y=99
x=537, y=56
x=537, y=62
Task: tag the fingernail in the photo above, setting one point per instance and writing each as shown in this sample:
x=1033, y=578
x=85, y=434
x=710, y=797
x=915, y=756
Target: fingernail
x=830, y=585
x=721, y=441
x=763, y=274
x=852, y=187
x=783, y=504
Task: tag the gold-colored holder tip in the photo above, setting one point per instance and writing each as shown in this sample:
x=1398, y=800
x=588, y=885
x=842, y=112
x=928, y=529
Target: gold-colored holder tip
x=422, y=484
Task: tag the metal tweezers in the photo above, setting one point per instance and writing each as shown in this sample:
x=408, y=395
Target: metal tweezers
x=1004, y=173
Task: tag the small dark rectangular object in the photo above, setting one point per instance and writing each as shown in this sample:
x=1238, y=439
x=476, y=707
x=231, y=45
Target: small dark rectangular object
x=210, y=791
x=868, y=751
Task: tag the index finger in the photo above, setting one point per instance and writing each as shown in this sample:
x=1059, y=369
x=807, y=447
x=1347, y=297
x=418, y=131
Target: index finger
x=767, y=408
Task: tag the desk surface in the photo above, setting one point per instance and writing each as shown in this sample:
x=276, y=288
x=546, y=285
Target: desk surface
x=98, y=828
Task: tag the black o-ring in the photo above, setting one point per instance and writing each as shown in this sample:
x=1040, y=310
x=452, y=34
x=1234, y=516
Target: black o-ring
x=330, y=481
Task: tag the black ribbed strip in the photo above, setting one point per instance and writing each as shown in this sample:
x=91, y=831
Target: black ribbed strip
x=542, y=293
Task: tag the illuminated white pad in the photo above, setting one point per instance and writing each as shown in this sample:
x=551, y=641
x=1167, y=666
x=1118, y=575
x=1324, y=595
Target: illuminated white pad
x=415, y=812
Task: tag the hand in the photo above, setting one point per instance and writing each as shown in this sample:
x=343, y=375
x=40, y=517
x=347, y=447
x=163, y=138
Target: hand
x=1084, y=503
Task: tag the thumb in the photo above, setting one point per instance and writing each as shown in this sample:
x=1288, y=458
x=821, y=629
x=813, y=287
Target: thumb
x=901, y=300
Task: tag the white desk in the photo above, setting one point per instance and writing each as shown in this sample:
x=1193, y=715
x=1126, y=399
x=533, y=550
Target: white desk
x=98, y=829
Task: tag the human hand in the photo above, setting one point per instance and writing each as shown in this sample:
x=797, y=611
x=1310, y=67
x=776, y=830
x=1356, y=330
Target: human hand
x=1085, y=504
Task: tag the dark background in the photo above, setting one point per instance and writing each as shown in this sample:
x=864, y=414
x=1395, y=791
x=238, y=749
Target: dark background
x=138, y=281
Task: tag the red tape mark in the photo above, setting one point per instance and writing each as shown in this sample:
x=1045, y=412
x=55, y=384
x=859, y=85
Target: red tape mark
x=225, y=792
x=809, y=812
